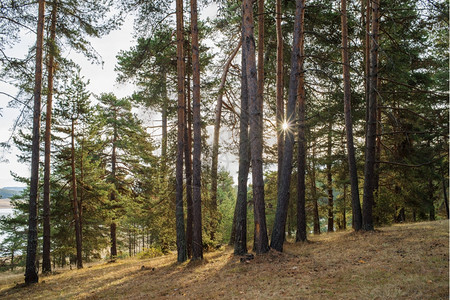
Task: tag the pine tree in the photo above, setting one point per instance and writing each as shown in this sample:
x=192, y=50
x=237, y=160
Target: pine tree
x=278, y=232
x=179, y=214
x=197, y=244
x=31, y=275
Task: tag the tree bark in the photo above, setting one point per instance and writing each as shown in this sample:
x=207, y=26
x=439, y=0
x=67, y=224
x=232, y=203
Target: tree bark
x=278, y=233
x=301, y=155
x=179, y=214
x=367, y=56
x=164, y=120
x=280, y=89
x=46, y=261
x=369, y=168
x=376, y=179
x=260, y=238
x=330, y=181
x=356, y=205
x=233, y=228
x=344, y=211
x=260, y=65
x=240, y=211
x=81, y=197
x=444, y=189
x=197, y=244
x=188, y=160
x=31, y=274
x=217, y=124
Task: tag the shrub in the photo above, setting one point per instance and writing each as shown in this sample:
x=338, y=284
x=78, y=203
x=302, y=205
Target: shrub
x=150, y=253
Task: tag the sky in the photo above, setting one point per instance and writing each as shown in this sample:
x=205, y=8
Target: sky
x=102, y=79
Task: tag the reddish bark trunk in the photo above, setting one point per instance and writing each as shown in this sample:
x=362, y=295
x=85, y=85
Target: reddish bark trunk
x=46, y=262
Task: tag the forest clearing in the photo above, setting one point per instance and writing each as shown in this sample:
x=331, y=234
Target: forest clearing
x=406, y=261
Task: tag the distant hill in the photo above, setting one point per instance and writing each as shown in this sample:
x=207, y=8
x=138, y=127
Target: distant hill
x=8, y=192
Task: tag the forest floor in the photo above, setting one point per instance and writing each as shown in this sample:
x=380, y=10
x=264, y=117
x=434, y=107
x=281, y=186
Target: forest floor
x=407, y=261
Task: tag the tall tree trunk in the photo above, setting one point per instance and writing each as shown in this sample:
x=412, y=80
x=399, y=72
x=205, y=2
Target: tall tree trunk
x=344, y=217
x=369, y=168
x=197, y=244
x=113, y=225
x=188, y=160
x=330, y=180
x=444, y=189
x=301, y=155
x=179, y=214
x=367, y=54
x=260, y=237
x=215, y=145
x=316, y=219
x=280, y=89
x=260, y=65
x=356, y=205
x=164, y=120
x=46, y=261
x=376, y=179
x=278, y=233
x=80, y=203
x=31, y=274
x=240, y=210
x=233, y=228
x=76, y=216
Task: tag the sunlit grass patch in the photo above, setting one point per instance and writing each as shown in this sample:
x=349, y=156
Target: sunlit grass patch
x=408, y=261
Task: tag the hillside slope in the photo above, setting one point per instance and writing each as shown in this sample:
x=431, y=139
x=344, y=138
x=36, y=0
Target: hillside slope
x=408, y=261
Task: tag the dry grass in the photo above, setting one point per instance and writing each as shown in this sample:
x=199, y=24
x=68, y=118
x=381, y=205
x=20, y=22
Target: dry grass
x=407, y=261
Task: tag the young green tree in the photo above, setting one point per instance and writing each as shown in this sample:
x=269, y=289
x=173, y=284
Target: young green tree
x=126, y=144
x=72, y=109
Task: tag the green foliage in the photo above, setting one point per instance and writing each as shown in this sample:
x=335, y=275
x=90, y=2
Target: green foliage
x=149, y=253
x=14, y=243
